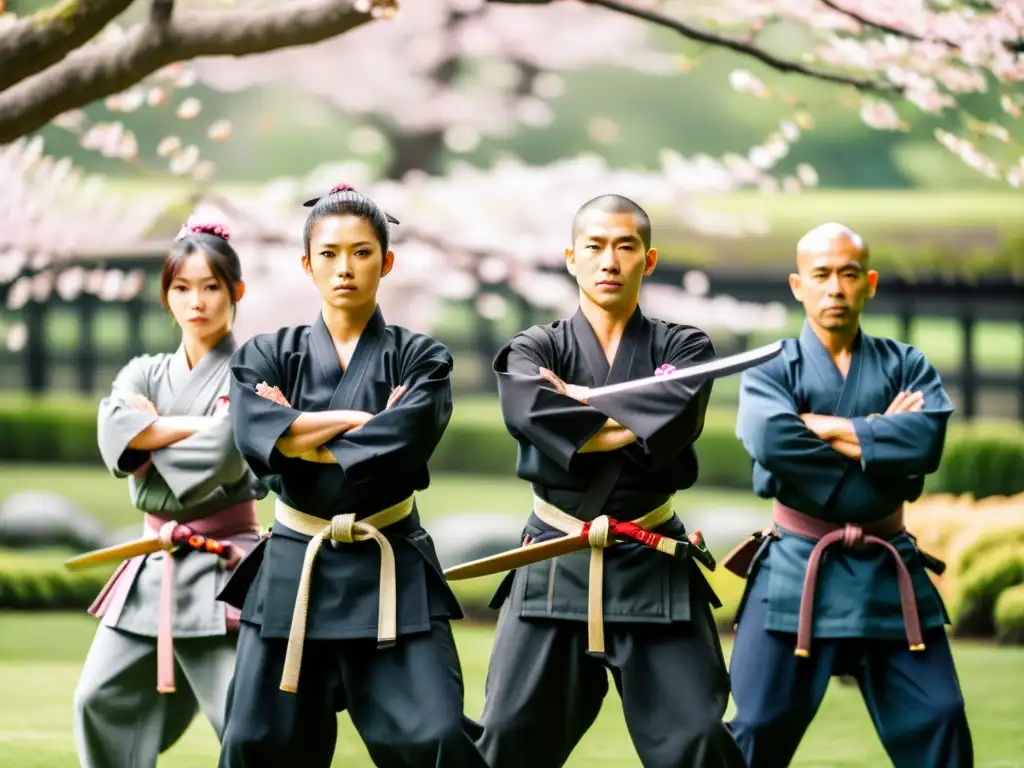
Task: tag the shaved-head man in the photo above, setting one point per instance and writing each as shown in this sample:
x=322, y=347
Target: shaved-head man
x=842, y=428
x=626, y=611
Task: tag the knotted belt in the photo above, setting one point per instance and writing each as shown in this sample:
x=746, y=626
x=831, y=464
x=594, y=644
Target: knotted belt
x=345, y=529
x=202, y=534
x=826, y=534
x=599, y=534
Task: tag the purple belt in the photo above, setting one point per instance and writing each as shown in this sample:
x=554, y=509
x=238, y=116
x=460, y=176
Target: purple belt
x=848, y=535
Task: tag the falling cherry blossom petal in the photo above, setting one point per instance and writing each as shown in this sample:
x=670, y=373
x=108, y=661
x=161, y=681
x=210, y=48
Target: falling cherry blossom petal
x=189, y=108
x=880, y=115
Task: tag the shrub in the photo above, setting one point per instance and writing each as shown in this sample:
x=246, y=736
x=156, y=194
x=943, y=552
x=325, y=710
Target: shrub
x=982, y=543
x=982, y=460
x=37, y=580
x=976, y=591
x=1009, y=616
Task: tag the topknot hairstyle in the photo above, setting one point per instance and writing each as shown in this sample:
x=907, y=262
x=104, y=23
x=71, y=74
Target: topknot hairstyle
x=210, y=239
x=344, y=199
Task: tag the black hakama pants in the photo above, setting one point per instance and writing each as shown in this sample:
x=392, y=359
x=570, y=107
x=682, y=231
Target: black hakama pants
x=544, y=690
x=405, y=701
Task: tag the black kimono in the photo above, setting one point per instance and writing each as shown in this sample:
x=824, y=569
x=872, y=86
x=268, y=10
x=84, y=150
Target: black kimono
x=406, y=700
x=544, y=688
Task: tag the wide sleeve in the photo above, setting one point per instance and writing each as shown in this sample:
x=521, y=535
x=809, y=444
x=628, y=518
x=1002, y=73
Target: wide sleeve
x=772, y=432
x=194, y=467
x=908, y=444
x=404, y=436
x=258, y=423
x=117, y=423
x=669, y=416
x=557, y=425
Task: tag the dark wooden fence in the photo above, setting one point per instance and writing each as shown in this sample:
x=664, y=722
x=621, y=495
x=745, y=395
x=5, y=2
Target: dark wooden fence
x=92, y=359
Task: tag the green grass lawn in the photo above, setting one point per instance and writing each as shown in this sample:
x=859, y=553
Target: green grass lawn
x=41, y=657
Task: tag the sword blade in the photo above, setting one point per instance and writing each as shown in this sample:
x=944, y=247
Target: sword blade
x=713, y=369
x=114, y=554
x=516, y=558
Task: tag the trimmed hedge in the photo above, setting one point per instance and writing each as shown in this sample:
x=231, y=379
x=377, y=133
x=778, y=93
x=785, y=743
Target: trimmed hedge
x=982, y=459
x=37, y=580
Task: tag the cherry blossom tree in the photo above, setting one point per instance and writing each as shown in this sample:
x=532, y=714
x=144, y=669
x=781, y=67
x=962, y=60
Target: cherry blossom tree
x=472, y=234
x=465, y=238
x=891, y=61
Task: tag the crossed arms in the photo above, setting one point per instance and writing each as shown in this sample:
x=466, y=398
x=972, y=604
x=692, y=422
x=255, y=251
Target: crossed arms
x=168, y=430
x=557, y=420
x=814, y=452
x=841, y=434
x=308, y=434
x=610, y=437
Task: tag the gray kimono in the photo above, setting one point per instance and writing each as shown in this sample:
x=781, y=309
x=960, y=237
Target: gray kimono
x=202, y=481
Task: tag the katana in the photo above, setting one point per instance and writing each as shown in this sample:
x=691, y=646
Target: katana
x=622, y=531
x=181, y=535
x=713, y=369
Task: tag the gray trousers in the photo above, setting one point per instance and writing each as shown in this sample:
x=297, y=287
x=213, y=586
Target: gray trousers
x=545, y=689
x=121, y=721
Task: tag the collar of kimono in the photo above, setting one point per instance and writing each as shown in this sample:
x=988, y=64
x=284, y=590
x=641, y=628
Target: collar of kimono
x=594, y=355
x=345, y=529
x=597, y=535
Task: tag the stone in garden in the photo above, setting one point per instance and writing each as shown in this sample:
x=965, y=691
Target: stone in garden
x=41, y=520
x=471, y=535
x=725, y=527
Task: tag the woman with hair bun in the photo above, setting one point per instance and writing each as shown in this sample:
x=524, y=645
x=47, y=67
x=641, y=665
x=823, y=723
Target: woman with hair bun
x=165, y=647
x=339, y=419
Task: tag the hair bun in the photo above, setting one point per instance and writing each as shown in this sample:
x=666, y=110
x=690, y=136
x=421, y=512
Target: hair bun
x=344, y=188
x=217, y=230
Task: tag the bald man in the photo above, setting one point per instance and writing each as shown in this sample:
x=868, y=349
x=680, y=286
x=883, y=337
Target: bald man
x=842, y=428
x=627, y=612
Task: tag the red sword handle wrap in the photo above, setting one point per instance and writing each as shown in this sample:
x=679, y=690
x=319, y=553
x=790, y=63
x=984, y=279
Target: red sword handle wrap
x=627, y=530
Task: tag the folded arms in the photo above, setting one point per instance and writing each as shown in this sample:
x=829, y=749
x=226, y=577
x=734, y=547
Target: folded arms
x=814, y=451
x=401, y=436
x=654, y=425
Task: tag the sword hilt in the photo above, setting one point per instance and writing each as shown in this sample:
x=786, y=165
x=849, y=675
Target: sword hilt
x=700, y=551
x=185, y=536
x=693, y=546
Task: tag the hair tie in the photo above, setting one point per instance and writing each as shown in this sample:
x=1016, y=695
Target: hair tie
x=343, y=188
x=217, y=230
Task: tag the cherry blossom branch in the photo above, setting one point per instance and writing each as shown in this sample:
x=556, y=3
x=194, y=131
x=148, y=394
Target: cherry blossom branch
x=44, y=38
x=1014, y=46
x=744, y=48
x=866, y=22
x=102, y=69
